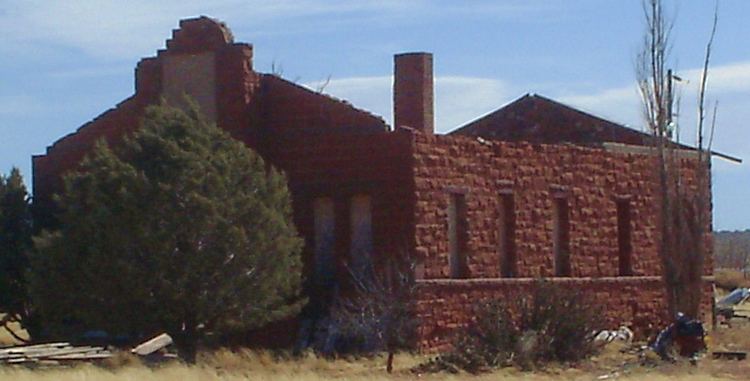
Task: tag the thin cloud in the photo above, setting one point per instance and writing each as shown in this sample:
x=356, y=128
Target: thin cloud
x=18, y=105
x=620, y=104
x=124, y=30
x=729, y=84
x=458, y=99
x=90, y=72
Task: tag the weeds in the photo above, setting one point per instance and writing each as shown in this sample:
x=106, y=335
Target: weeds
x=553, y=324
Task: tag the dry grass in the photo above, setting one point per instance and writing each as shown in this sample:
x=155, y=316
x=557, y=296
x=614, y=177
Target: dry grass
x=255, y=365
x=729, y=279
x=247, y=365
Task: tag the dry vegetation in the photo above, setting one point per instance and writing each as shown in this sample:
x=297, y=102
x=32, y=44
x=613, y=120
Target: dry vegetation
x=729, y=279
x=250, y=365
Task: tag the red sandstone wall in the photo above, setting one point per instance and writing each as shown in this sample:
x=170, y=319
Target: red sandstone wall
x=288, y=108
x=247, y=114
x=65, y=154
x=636, y=302
x=590, y=178
x=234, y=84
x=342, y=165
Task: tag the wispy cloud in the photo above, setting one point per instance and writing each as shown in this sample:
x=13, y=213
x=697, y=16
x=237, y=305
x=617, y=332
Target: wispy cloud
x=729, y=84
x=724, y=79
x=462, y=99
x=18, y=105
x=119, y=29
x=458, y=99
x=619, y=104
x=90, y=72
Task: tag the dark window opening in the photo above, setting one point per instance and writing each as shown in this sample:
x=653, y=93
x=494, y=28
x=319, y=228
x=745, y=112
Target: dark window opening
x=624, y=244
x=325, y=240
x=360, y=221
x=457, y=235
x=506, y=236
x=561, y=236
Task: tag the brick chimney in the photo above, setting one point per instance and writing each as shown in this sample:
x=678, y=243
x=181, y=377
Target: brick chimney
x=413, y=92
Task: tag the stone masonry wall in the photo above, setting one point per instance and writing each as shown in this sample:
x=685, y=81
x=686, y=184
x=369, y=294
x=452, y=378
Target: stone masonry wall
x=340, y=166
x=637, y=302
x=591, y=179
x=232, y=87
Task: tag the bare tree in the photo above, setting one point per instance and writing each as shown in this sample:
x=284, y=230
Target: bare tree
x=685, y=224
x=381, y=310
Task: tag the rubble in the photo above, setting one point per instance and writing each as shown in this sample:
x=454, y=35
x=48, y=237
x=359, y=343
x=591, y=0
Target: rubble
x=623, y=334
x=52, y=354
x=727, y=306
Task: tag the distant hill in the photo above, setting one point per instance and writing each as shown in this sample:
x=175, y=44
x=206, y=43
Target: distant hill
x=732, y=249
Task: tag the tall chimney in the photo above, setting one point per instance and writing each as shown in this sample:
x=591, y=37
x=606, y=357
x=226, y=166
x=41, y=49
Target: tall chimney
x=413, y=92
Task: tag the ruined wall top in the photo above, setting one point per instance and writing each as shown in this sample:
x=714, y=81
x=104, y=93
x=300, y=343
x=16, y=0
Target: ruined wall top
x=199, y=34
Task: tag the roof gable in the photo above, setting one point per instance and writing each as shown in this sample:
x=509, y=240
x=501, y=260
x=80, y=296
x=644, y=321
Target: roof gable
x=538, y=119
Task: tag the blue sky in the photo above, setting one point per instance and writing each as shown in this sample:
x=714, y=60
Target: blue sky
x=64, y=62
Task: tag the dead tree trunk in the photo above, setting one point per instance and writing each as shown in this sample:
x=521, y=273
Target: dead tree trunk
x=684, y=206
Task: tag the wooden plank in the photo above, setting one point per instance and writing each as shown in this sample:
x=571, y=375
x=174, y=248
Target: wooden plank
x=153, y=345
x=732, y=355
x=81, y=356
x=21, y=360
x=55, y=353
x=37, y=351
x=34, y=347
x=66, y=351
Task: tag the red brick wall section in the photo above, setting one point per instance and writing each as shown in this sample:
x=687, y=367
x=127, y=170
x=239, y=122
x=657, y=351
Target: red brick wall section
x=236, y=85
x=199, y=34
x=236, y=92
x=288, y=108
x=591, y=179
x=413, y=92
x=67, y=152
x=637, y=302
x=343, y=165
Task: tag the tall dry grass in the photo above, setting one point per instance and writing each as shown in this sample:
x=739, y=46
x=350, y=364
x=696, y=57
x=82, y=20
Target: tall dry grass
x=262, y=366
x=729, y=279
x=259, y=365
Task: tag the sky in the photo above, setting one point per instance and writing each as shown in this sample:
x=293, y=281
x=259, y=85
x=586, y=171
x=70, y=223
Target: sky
x=65, y=62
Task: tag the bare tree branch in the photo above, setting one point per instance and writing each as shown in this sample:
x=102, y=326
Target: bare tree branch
x=684, y=219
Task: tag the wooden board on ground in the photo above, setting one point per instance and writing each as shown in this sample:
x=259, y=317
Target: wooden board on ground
x=52, y=353
x=729, y=355
x=153, y=345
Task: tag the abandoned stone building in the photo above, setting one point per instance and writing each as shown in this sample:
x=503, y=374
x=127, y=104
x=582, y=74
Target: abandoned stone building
x=534, y=189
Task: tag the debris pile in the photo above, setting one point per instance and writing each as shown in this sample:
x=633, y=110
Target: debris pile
x=728, y=306
x=623, y=334
x=64, y=353
x=52, y=354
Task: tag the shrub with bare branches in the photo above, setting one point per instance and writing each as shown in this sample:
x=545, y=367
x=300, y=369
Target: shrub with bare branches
x=379, y=315
x=552, y=323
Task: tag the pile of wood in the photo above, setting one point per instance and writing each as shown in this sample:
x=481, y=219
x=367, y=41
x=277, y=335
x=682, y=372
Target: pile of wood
x=52, y=354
